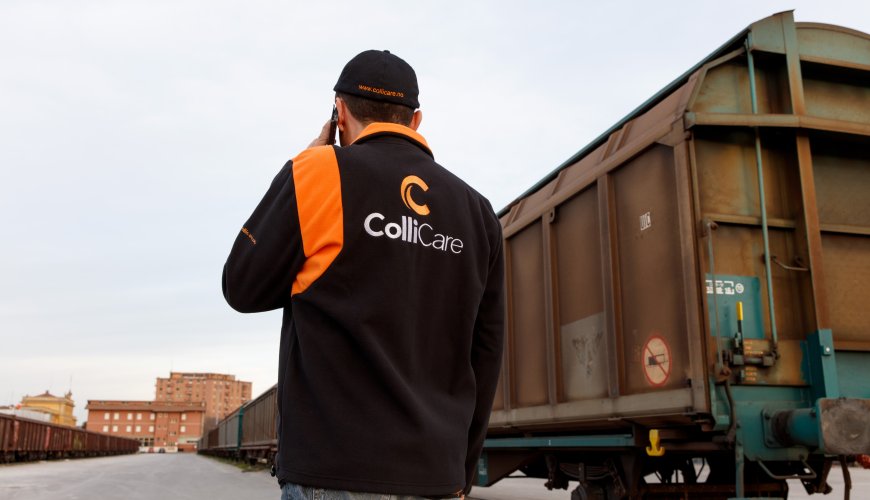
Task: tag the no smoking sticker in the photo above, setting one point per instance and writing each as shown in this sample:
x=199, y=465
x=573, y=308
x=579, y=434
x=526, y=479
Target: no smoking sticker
x=656, y=360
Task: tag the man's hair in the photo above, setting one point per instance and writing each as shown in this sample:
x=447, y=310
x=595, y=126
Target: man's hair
x=368, y=111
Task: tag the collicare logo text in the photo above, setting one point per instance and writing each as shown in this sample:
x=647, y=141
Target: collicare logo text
x=409, y=229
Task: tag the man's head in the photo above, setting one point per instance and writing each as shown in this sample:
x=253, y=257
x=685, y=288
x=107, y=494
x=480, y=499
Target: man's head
x=376, y=86
x=369, y=111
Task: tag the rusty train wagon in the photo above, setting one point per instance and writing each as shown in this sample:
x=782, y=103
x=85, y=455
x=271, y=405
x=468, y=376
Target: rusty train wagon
x=688, y=302
x=23, y=439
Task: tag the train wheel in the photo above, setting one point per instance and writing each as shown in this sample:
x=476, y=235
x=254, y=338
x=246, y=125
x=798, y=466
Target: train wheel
x=588, y=492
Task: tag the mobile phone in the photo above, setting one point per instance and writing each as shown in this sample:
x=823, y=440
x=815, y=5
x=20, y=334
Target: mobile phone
x=333, y=124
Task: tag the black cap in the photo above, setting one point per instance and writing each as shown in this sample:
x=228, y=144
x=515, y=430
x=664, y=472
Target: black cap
x=380, y=76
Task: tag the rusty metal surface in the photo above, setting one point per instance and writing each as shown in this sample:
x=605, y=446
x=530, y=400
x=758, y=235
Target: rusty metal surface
x=845, y=426
x=842, y=175
x=608, y=314
x=526, y=293
x=848, y=269
x=834, y=45
x=653, y=307
x=838, y=94
x=726, y=88
x=22, y=439
x=809, y=242
x=726, y=169
x=738, y=252
x=582, y=344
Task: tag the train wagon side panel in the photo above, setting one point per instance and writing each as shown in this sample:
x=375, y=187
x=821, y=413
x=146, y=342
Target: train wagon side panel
x=259, y=433
x=603, y=310
x=624, y=270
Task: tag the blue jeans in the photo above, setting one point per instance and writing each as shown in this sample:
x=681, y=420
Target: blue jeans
x=292, y=491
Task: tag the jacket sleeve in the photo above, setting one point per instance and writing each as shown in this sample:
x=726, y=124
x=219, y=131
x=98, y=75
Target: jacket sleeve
x=268, y=252
x=486, y=354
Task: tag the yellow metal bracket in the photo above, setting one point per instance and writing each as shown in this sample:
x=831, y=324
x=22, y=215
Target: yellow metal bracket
x=653, y=449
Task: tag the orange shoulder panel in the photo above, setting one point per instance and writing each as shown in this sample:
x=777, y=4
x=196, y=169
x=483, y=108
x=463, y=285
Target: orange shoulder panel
x=321, y=218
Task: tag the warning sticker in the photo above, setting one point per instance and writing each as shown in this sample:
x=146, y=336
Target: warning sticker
x=724, y=287
x=656, y=360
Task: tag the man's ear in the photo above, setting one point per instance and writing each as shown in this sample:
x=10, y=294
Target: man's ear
x=341, y=106
x=416, y=119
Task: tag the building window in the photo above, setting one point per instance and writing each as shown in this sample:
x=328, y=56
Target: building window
x=172, y=433
x=114, y=428
x=106, y=416
x=105, y=428
x=117, y=416
x=183, y=428
x=129, y=428
x=138, y=416
x=129, y=416
x=138, y=428
x=184, y=416
x=150, y=428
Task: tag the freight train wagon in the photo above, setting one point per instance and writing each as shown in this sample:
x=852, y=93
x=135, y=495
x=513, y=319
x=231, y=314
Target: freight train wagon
x=259, y=440
x=689, y=295
x=249, y=433
x=208, y=442
x=23, y=439
x=224, y=439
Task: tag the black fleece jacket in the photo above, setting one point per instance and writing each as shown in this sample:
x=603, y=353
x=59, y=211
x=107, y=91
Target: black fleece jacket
x=390, y=272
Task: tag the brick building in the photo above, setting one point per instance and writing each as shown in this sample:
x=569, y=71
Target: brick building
x=220, y=393
x=155, y=424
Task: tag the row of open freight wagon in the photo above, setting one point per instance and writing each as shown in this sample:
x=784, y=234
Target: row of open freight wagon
x=249, y=433
x=22, y=440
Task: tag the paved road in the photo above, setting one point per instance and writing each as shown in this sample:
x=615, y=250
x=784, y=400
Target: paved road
x=135, y=477
x=192, y=477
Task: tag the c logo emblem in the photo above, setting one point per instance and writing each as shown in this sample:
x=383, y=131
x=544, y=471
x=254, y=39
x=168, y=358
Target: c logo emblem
x=407, y=183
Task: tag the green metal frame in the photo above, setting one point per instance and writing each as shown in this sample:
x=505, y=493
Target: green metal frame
x=240, y=417
x=614, y=441
x=587, y=441
x=755, y=405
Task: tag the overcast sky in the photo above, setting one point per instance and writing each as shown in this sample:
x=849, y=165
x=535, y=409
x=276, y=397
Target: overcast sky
x=136, y=138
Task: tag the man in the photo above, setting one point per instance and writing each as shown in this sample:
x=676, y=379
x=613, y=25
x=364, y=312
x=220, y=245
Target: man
x=390, y=273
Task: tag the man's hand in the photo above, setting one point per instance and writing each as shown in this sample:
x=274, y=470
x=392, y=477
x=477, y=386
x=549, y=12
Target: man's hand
x=322, y=139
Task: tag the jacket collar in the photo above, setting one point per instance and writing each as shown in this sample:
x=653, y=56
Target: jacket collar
x=381, y=128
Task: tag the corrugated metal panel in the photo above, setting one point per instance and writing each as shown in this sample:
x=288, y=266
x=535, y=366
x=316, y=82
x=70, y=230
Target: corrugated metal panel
x=259, y=423
x=228, y=431
x=582, y=346
x=651, y=286
x=526, y=293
